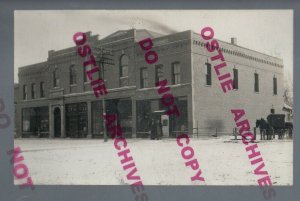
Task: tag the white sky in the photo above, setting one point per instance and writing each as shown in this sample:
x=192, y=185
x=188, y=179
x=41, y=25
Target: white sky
x=266, y=31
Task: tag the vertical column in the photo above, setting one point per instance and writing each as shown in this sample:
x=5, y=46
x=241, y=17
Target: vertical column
x=62, y=122
x=192, y=121
x=89, y=113
x=51, y=122
x=133, y=110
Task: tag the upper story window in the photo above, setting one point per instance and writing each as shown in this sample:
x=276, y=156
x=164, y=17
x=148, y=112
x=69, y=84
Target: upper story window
x=55, y=78
x=176, y=73
x=274, y=86
x=144, y=77
x=235, y=78
x=33, y=91
x=208, y=73
x=124, y=63
x=42, y=89
x=159, y=73
x=72, y=72
x=24, y=92
x=256, y=82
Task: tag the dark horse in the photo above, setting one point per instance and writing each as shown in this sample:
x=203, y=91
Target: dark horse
x=264, y=128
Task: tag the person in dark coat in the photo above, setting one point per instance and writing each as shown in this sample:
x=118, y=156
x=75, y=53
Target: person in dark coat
x=159, y=129
x=153, y=127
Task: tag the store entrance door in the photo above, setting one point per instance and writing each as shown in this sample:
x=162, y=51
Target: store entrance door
x=57, y=122
x=165, y=125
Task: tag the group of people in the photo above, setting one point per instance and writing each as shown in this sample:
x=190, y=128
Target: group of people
x=156, y=129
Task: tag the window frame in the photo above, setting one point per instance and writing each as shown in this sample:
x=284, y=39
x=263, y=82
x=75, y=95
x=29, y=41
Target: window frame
x=56, y=81
x=122, y=65
x=42, y=89
x=144, y=82
x=176, y=76
x=275, y=90
x=256, y=82
x=33, y=91
x=208, y=76
x=72, y=75
x=159, y=75
x=235, y=79
x=25, y=92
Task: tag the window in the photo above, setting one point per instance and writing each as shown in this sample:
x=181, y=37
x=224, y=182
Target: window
x=124, y=61
x=72, y=75
x=208, y=73
x=256, y=82
x=176, y=73
x=24, y=92
x=235, y=78
x=159, y=73
x=274, y=85
x=144, y=78
x=42, y=89
x=55, y=78
x=85, y=69
x=124, y=66
x=33, y=91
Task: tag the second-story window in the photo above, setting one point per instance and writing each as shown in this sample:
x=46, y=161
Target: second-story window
x=235, y=78
x=33, y=91
x=55, y=78
x=256, y=82
x=42, y=89
x=144, y=77
x=176, y=73
x=24, y=92
x=124, y=63
x=159, y=73
x=274, y=86
x=72, y=72
x=208, y=73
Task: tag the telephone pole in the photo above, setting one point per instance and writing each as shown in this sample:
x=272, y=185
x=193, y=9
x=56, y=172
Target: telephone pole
x=103, y=56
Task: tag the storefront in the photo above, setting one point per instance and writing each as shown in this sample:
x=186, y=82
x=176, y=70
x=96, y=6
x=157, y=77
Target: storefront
x=147, y=110
x=35, y=121
x=76, y=120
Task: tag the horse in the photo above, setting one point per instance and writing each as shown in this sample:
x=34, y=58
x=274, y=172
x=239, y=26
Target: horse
x=264, y=129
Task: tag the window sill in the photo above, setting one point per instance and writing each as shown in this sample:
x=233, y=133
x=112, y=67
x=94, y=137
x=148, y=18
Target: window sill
x=73, y=85
x=207, y=85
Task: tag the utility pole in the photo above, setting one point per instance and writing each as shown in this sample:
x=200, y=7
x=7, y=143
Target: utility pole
x=103, y=56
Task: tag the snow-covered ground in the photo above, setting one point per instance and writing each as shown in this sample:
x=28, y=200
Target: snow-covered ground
x=159, y=162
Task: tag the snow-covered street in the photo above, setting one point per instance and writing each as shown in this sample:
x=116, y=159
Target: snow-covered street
x=159, y=162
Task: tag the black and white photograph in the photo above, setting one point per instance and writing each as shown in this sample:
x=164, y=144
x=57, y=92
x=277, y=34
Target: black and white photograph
x=154, y=97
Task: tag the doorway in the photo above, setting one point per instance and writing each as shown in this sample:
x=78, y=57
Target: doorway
x=57, y=122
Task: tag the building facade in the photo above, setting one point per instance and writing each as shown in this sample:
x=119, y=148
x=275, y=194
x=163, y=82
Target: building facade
x=54, y=98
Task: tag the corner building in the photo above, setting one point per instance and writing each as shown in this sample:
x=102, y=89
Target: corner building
x=54, y=98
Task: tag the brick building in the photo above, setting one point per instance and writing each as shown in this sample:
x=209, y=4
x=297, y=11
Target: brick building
x=54, y=99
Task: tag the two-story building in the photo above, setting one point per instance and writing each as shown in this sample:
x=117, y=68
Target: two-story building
x=54, y=98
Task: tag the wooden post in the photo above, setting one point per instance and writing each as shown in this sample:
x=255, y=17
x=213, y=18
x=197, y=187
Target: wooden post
x=197, y=129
